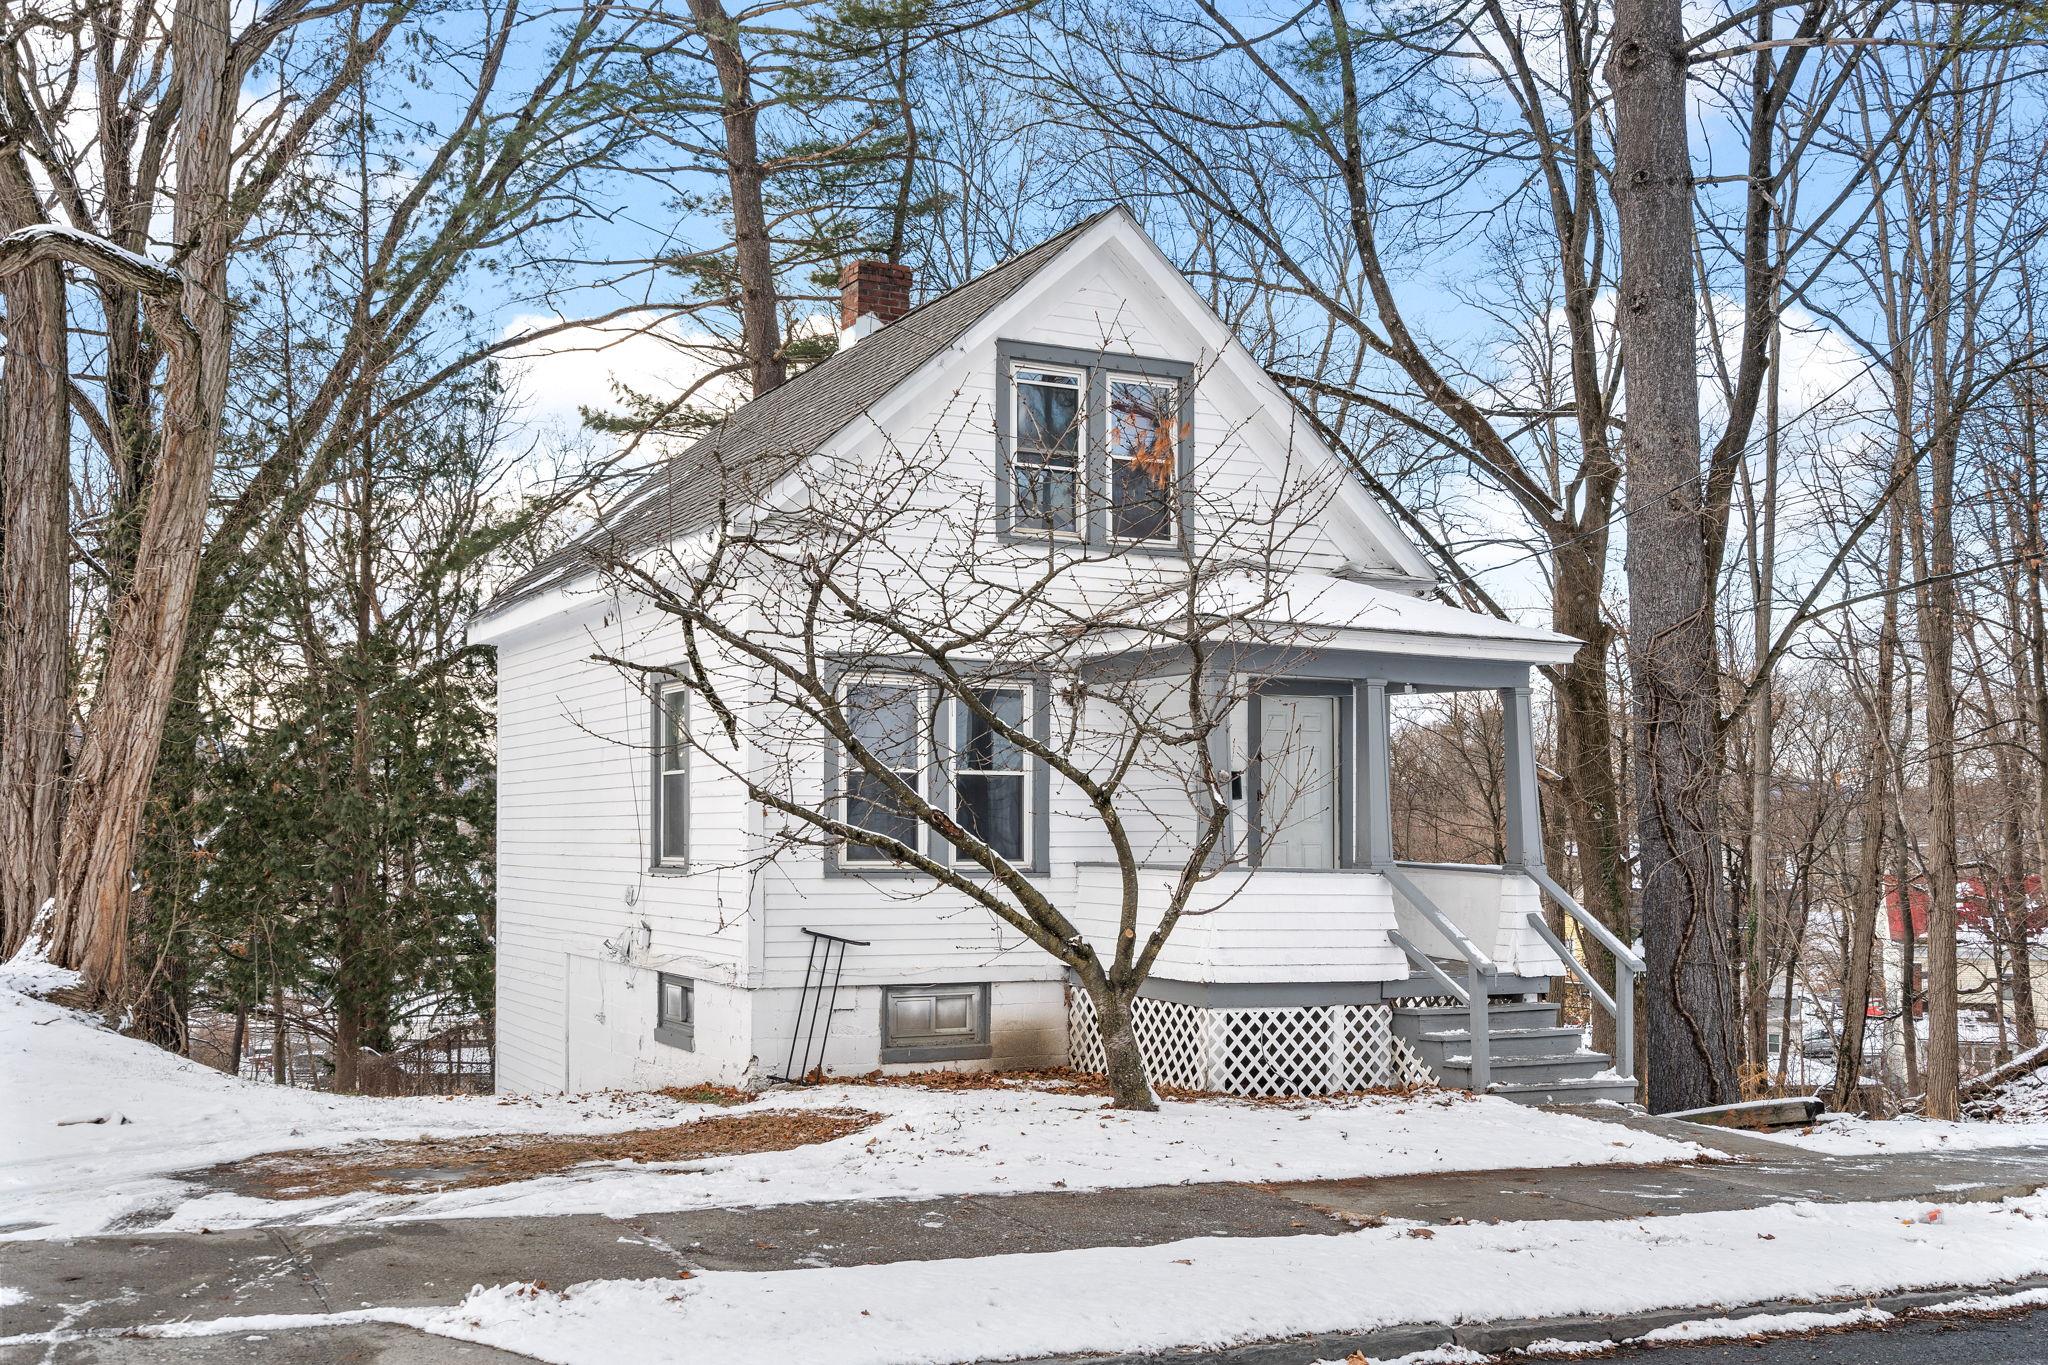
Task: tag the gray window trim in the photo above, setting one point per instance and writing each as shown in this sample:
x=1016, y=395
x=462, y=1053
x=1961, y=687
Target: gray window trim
x=1038, y=782
x=914, y=1050
x=659, y=860
x=1098, y=366
x=1347, y=755
x=683, y=1035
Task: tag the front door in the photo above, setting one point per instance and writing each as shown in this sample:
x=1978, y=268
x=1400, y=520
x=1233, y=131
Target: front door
x=1298, y=786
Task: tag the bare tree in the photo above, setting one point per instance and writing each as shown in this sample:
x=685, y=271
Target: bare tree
x=833, y=642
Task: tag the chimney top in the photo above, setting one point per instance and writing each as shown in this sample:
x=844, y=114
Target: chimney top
x=872, y=289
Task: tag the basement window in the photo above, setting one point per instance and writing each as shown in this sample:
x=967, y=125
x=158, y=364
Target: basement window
x=935, y=1023
x=675, y=1012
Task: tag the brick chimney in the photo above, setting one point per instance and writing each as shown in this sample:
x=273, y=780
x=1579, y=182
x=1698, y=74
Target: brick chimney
x=872, y=294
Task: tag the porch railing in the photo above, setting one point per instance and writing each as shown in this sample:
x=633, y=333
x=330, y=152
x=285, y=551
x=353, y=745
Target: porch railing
x=1621, y=1006
x=1479, y=969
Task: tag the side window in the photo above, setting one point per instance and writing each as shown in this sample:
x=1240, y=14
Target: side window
x=675, y=1011
x=886, y=716
x=1046, y=475
x=1144, y=446
x=671, y=782
x=991, y=789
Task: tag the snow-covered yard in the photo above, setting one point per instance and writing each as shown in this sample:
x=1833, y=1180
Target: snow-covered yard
x=1849, y=1136
x=112, y=1128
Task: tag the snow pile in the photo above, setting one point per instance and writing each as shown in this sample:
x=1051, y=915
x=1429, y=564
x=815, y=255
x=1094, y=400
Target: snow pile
x=1760, y=1324
x=30, y=971
x=110, y=1120
x=1851, y=1136
x=1216, y=1292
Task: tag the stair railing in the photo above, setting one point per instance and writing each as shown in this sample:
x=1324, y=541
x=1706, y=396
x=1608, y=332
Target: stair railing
x=1479, y=969
x=1621, y=1006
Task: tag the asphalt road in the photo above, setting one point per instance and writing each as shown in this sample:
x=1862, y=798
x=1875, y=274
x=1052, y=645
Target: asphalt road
x=1989, y=1341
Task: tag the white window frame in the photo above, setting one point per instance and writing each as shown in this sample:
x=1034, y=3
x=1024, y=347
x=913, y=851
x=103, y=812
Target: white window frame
x=670, y=699
x=1035, y=457
x=956, y=766
x=860, y=854
x=1113, y=459
x=940, y=749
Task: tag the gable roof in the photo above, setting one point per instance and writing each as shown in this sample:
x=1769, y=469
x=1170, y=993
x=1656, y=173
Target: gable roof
x=760, y=442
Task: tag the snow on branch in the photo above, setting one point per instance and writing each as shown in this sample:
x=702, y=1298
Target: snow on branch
x=118, y=265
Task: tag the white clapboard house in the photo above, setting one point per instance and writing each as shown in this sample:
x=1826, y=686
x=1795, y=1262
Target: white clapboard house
x=650, y=932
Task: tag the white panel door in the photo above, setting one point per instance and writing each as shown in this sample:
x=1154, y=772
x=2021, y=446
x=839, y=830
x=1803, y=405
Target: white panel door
x=1298, y=790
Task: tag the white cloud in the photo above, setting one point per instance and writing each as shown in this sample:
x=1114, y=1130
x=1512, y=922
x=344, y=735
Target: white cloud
x=587, y=366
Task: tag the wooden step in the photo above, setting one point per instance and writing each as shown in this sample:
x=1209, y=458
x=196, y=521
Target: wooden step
x=1509, y=1071
x=1433, y=1048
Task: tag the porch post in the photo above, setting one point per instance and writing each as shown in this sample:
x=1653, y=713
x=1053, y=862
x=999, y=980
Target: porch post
x=1375, y=738
x=1524, y=815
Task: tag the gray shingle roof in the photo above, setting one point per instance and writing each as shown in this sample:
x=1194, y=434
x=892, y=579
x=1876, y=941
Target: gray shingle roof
x=742, y=457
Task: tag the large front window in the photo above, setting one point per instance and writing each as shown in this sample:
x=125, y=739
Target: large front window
x=1045, y=462
x=887, y=720
x=961, y=758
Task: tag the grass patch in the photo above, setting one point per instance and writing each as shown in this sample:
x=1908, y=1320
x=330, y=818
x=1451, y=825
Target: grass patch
x=434, y=1164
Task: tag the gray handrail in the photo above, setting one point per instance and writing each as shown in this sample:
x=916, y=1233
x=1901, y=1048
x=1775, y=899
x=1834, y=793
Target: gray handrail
x=1438, y=920
x=1424, y=961
x=1602, y=935
x=1571, y=962
x=1621, y=1006
x=1479, y=969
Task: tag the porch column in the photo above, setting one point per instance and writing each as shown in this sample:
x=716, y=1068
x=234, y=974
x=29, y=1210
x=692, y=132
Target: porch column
x=1375, y=739
x=1524, y=815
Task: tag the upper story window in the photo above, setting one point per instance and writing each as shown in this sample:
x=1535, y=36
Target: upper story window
x=1144, y=448
x=1046, y=471
x=1094, y=446
x=957, y=757
x=670, y=832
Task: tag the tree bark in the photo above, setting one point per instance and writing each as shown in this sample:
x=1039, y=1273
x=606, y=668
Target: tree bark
x=117, y=758
x=1867, y=891
x=1124, y=1064
x=753, y=253
x=1691, y=1044
x=35, y=641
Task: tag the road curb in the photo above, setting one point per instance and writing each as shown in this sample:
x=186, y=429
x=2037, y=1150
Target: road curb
x=1497, y=1338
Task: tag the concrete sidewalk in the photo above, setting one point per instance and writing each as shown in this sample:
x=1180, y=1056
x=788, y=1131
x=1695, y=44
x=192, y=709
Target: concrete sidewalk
x=109, y=1284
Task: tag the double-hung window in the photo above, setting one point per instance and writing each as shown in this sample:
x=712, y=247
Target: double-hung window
x=991, y=796
x=1144, y=441
x=886, y=717
x=951, y=754
x=671, y=777
x=1046, y=472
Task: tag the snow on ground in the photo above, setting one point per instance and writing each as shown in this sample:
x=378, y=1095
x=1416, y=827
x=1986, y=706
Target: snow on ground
x=1850, y=1136
x=109, y=1121
x=1214, y=1292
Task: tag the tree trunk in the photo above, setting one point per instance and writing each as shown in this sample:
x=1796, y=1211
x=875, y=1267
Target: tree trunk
x=279, y=1072
x=1124, y=1064
x=237, y=1040
x=35, y=645
x=1586, y=759
x=1868, y=890
x=1937, y=622
x=753, y=253
x=1691, y=1044
x=117, y=758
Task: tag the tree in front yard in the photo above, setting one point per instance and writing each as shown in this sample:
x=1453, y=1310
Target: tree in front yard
x=887, y=662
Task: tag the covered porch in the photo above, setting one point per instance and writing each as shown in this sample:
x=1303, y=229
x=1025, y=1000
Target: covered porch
x=1320, y=949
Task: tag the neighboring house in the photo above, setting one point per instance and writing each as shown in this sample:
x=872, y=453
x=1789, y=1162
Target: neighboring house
x=1987, y=971
x=644, y=939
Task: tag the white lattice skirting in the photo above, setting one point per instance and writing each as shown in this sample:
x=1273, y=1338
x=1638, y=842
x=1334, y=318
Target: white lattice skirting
x=1278, y=1050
